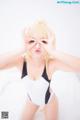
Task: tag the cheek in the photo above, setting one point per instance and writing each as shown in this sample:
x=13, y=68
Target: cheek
x=43, y=52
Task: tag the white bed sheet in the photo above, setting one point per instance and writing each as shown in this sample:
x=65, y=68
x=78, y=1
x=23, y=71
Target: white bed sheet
x=65, y=85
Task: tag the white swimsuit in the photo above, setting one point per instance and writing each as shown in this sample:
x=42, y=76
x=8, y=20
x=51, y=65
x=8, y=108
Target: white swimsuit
x=37, y=90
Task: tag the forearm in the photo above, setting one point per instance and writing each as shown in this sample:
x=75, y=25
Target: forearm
x=73, y=61
x=10, y=59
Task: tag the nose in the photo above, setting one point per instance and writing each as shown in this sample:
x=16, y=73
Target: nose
x=37, y=45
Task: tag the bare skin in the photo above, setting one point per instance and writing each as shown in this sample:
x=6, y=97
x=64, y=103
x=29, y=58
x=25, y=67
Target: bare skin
x=51, y=109
x=29, y=111
x=38, y=44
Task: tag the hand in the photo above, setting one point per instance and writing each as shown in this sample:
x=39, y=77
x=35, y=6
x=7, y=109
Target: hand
x=49, y=48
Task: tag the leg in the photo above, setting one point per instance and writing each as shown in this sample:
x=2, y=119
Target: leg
x=51, y=109
x=29, y=111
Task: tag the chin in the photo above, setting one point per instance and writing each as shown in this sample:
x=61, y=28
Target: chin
x=38, y=56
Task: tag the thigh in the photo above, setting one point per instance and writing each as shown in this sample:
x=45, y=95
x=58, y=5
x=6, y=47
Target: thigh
x=29, y=111
x=51, y=109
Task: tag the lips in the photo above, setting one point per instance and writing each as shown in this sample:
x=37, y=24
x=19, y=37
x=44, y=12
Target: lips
x=38, y=50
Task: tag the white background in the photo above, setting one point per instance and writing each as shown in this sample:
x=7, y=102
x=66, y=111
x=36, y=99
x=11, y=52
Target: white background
x=65, y=21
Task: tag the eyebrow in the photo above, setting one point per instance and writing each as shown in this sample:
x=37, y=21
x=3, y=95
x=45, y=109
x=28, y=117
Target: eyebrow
x=44, y=37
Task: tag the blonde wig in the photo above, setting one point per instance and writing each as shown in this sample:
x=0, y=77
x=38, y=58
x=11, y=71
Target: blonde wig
x=42, y=28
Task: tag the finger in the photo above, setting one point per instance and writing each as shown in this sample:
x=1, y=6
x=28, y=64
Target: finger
x=45, y=47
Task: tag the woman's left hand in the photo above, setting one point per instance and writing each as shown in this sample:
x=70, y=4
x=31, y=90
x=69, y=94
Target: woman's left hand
x=49, y=48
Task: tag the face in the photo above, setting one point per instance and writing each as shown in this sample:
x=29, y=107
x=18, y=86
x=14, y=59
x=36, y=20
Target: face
x=36, y=37
x=34, y=43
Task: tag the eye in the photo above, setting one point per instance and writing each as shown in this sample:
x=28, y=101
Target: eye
x=44, y=41
x=31, y=41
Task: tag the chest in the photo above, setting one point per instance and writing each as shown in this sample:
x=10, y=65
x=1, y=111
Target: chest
x=36, y=72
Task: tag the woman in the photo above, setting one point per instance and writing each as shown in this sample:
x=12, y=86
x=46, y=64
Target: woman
x=37, y=62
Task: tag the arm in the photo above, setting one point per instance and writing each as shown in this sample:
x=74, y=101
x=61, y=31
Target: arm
x=61, y=60
x=67, y=61
x=11, y=60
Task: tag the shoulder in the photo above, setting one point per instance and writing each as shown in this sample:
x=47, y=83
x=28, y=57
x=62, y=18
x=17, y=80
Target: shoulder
x=20, y=61
x=52, y=64
x=56, y=64
x=51, y=67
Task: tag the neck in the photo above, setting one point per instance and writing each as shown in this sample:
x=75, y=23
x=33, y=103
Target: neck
x=36, y=61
